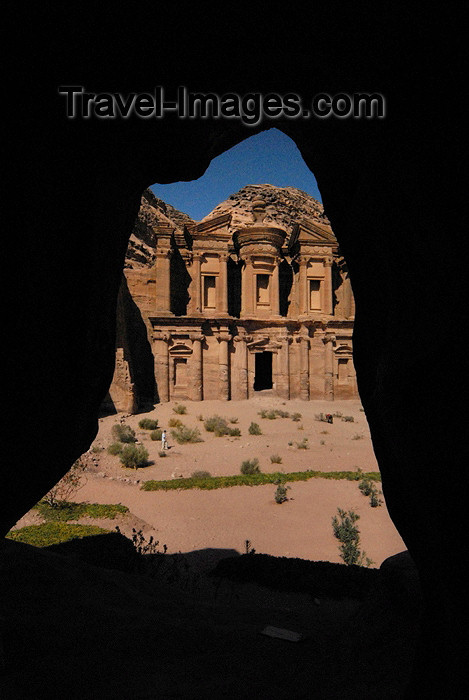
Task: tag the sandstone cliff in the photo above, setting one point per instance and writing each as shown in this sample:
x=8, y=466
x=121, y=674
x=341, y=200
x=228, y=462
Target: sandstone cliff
x=141, y=248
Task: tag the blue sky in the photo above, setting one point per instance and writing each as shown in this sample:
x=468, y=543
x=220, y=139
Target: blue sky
x=269, y=157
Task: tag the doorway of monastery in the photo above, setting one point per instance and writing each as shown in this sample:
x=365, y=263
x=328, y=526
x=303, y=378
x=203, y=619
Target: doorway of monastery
x=263, y=371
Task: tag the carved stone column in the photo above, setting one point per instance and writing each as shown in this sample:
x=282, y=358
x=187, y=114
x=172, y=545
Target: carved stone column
x=223, y=364
x=283, y=375
x=197, y=368
x=161, y=355
x=240, y=389
x=247, y=288
x=195, y=288
x=328, y=309
x=329, y=341
x=163, y=282
x=275, y=291
x=303, y=340
x=223, y=285
x=302, y=284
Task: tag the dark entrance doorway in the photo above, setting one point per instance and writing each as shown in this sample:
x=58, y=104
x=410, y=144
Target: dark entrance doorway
x=263, y=375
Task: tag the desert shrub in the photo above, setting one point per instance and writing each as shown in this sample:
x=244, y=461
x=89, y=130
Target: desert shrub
x=68, y=485
x=175, y=423
x=180, y=409
x=162, y=453
x=275, y=459
x=322, y=442
x=200, y=417
x=148, y=424
x=337, y=414
x=234, y=432
x=348, y=534
x=201, y=475
x=357, y=436
x=282, y=414
x=96, y=448
x=303, y=445
x=348, y=419
x=216, y=424
x=296, y=417
x=123, y=433
x=254, y=429
x=51, y=533
x=134, y=456
x=320, y=417
x=155, y=435
x=115, y=448
x=250, y=466
x=234, y=420
x=183, y=435
x=301, y=426
x=270, y=414
x=368, y=488
x=280, y=494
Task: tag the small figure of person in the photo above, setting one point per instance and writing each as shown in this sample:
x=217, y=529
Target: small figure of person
x=164, y=443
x=329, y=418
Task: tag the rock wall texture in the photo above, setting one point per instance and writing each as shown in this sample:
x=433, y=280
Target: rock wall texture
x=382, y=181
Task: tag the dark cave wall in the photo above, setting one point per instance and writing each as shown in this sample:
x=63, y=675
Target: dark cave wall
x=391, y=190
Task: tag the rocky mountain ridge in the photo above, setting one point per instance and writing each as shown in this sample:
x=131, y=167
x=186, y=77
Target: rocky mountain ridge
x=284, y=207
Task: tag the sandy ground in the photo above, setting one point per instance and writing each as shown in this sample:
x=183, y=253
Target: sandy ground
x=224, y=519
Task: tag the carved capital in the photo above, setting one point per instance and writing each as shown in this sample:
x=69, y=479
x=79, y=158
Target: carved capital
x=163, y=253
x=194, y=337
x=162, y=335
x=329, y=338
x=224, y=337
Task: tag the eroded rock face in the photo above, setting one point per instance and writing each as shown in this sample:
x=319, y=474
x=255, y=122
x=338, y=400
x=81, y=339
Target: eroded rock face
x=142, y=242
x=285, y=206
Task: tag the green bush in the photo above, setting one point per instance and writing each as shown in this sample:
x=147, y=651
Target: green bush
x=368, y=488
x=134, y=456
x=50, y=533
x=348, y=535
x=162, y=453
x=270, y=414
x=254, y=429
x=201, y=475
x=234, y=432
x=180, y=409
x=233, y=420
x=303, y=445
x=175, y=422
x=250, y=466
x=155, y=435
x=275, y=459
x=123, y=433
x=183, y=435
x=280, y=494
x=217, y=425
x=115, y=448
x=296, y=417
x=282, y=414
x=148, y=424
x=348, y=419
